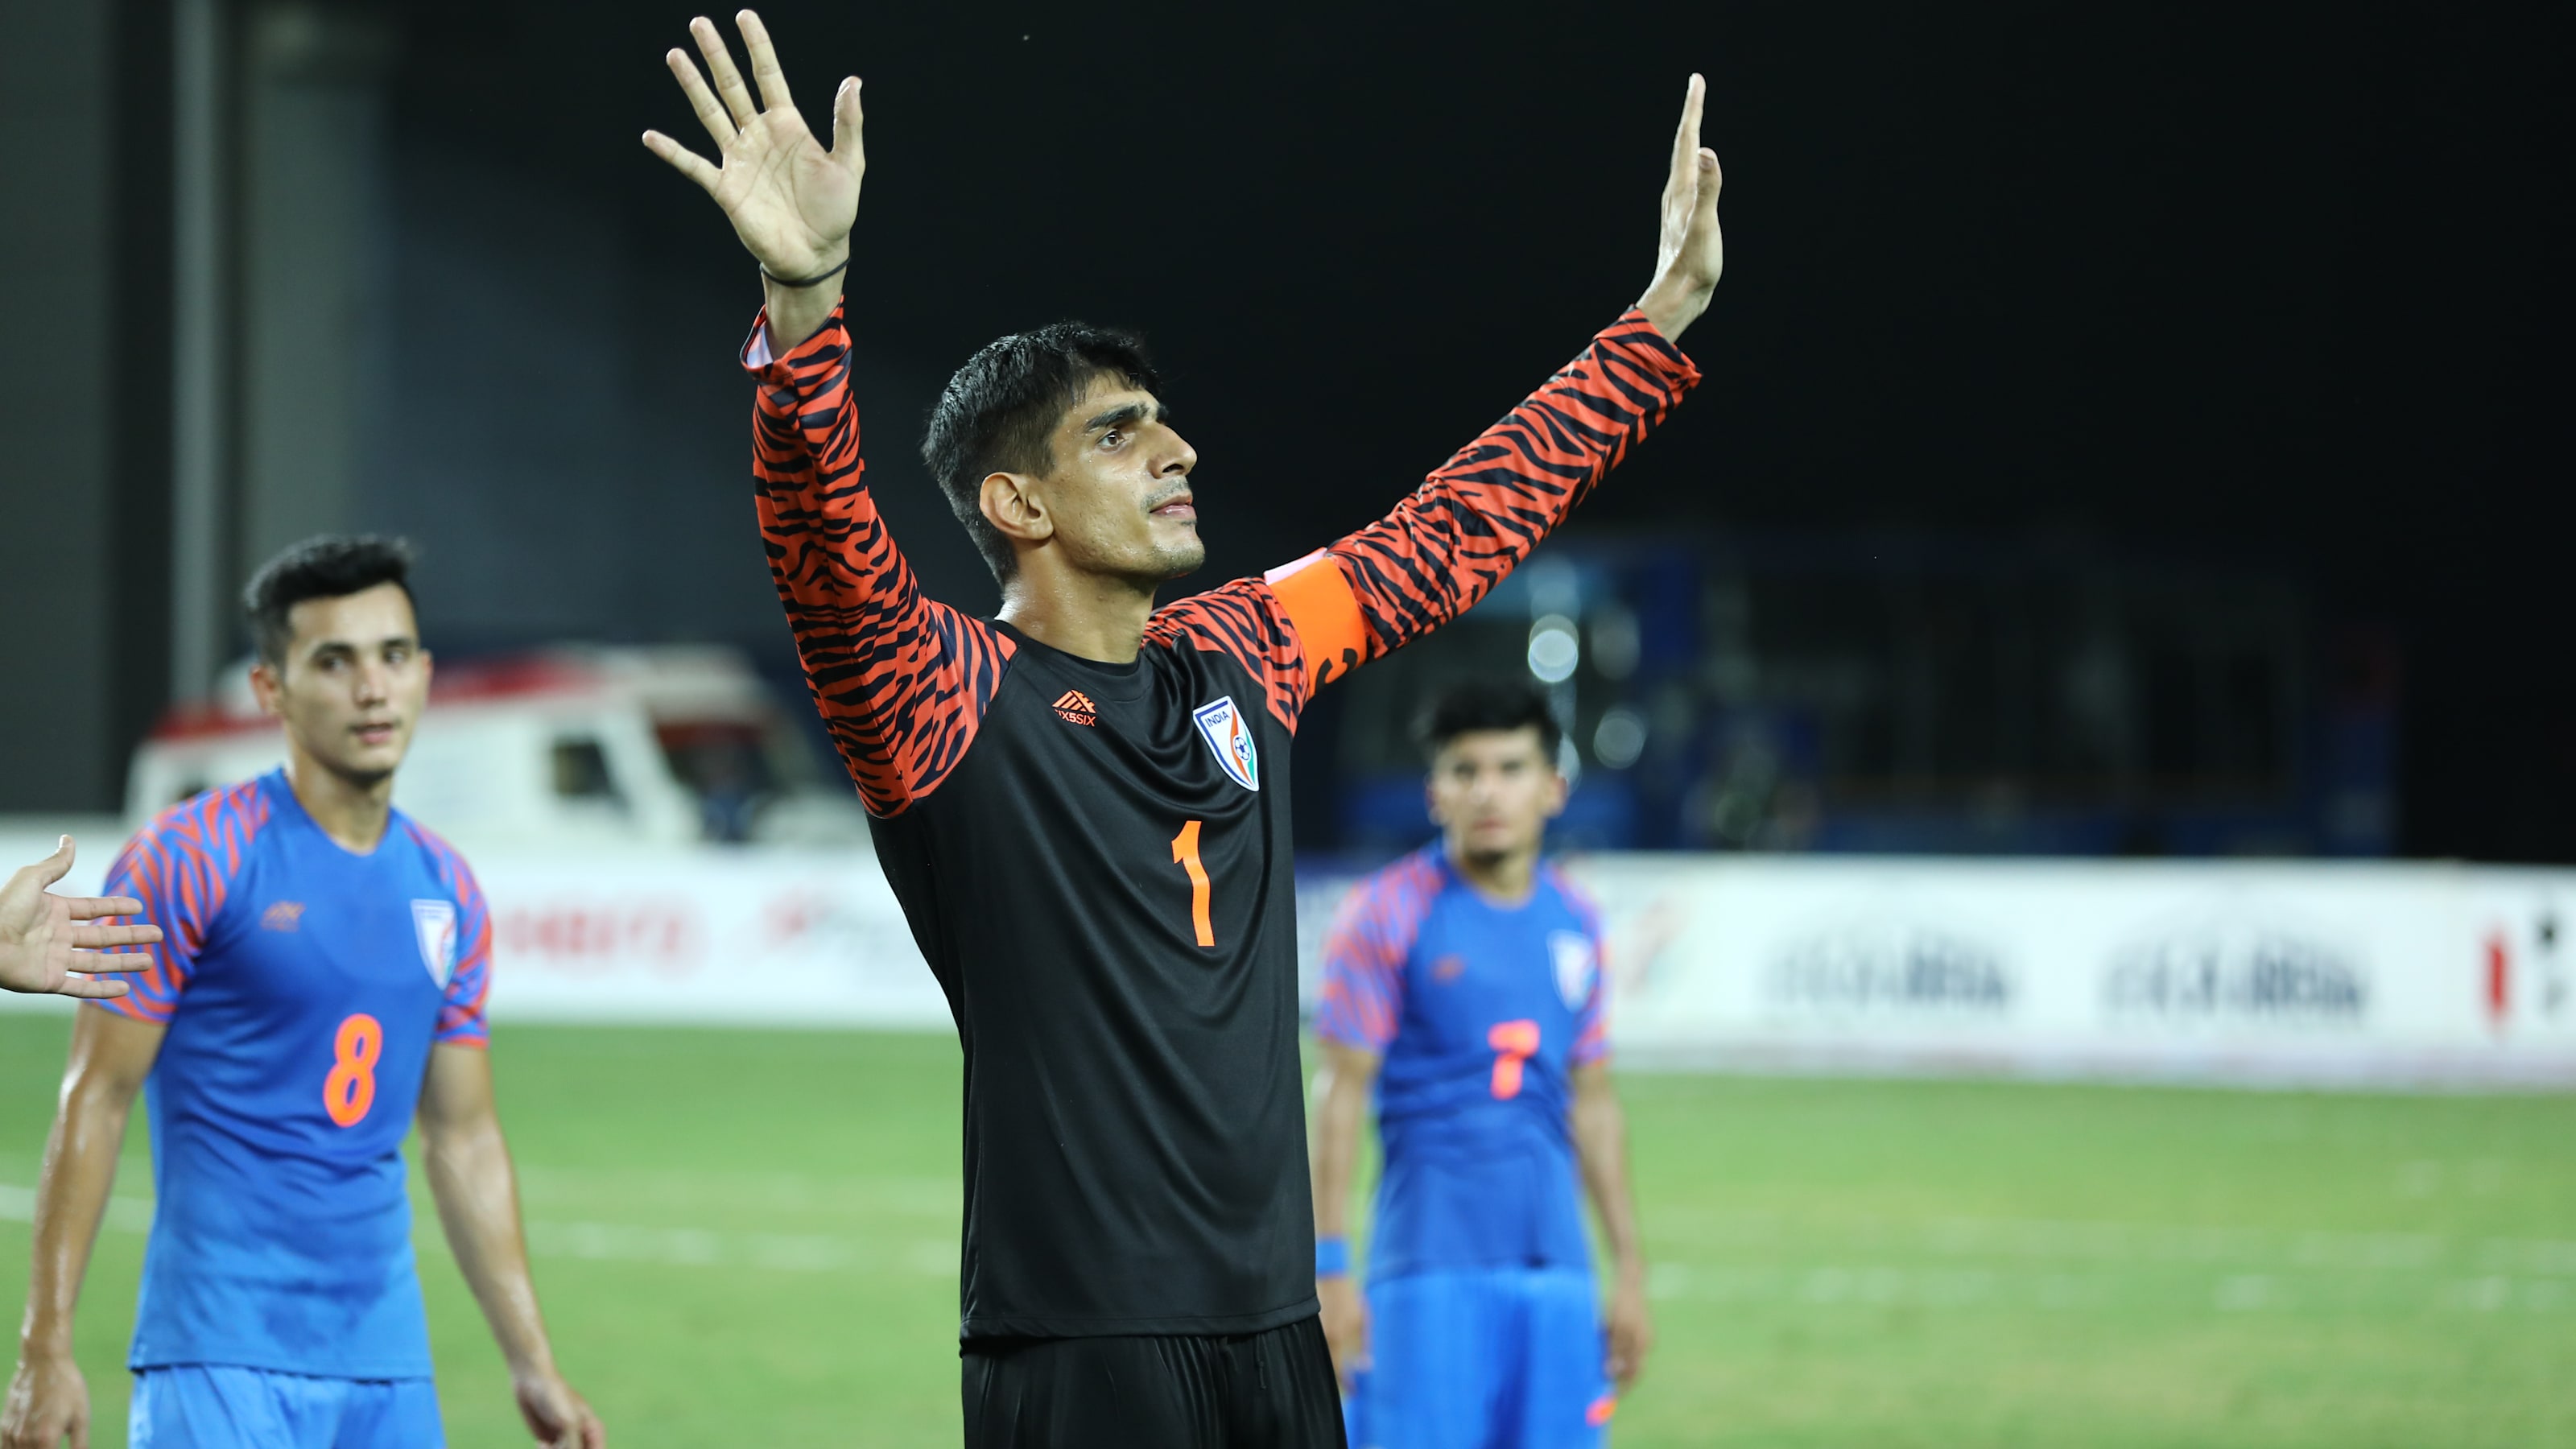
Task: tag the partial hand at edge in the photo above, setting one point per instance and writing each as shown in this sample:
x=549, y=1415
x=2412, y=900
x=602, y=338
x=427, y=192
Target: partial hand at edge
x=43, y=951
x=48, y=1400
x=1690, y=251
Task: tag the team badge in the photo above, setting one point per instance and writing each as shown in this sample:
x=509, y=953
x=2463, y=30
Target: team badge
x=1575, y=966
x=1223, y=727
x=434, y=922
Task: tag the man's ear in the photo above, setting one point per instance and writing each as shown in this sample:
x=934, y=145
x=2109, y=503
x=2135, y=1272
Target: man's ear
x=265, y=686
x=1557, y=791
x=1011, y=502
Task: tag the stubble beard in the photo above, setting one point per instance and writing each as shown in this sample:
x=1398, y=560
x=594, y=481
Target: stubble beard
x=1180, y=561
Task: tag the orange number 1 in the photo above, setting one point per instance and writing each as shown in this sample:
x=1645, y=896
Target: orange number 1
x=350, y=1090
x=1185, y=854
x=1514, y=1042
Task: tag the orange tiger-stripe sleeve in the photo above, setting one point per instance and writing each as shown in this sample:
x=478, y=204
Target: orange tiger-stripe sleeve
x=1308, y=623
x=902, y=682
x=1480, y=514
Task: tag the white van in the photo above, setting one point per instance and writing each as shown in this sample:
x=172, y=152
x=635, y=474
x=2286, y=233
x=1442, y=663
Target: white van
x=583, y=747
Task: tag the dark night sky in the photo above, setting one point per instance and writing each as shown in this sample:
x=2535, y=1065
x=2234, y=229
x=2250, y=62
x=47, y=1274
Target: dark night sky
x=2289, y=282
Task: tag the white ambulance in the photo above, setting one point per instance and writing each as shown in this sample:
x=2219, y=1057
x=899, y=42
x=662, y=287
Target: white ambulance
x=572, y=747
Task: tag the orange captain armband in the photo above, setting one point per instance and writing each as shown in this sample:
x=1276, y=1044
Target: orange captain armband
x=1319, y=602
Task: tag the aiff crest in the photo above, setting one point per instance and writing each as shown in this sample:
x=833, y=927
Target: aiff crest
x=1223, y=727
x=435, y=923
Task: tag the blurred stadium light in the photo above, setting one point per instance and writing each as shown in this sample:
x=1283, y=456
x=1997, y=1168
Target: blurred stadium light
x=1851, y=693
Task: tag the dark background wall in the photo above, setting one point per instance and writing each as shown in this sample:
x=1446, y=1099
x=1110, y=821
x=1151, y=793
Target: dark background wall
x=83, y=389
x=2285, y=284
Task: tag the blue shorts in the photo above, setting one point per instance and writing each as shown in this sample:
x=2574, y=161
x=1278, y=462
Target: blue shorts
x=215, y=1406
x=1504, y=1358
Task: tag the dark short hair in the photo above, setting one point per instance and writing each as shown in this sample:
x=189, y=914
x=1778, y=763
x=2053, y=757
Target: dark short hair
x=328, y=567
x=1477, y=705
x=999, y=411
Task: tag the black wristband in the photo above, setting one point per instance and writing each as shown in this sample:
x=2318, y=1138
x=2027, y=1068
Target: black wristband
x=825, y=275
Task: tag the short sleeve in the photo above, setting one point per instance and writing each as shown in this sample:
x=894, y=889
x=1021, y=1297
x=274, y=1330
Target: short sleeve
x=461, y=1020
x=153, y=873
x=181, y=868
x=1363, y=975
x=1592, y=1020
x=1365, y=951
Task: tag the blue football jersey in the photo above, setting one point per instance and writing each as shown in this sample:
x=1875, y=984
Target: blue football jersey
x=1479, y=1012
x=303, y=987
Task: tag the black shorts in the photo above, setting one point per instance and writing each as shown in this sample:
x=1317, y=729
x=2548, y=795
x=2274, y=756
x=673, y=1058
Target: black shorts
x=1269, y=1390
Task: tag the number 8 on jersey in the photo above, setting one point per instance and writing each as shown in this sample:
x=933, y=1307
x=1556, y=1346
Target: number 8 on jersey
x=350, y=1091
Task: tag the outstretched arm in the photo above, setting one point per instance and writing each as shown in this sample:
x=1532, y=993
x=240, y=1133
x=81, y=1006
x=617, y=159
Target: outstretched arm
x=468, y=1165
x=900, y=681
x=1480, y=514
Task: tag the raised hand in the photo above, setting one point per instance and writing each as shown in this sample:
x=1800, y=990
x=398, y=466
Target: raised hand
x=42, y=950
x=789, y=200
x=1690, y=252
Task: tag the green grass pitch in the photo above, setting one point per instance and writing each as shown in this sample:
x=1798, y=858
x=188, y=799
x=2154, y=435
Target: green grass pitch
x=750, y=1238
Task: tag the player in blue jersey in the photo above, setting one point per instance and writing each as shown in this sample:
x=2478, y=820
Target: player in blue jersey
x=1464, y=983
x=321, y=983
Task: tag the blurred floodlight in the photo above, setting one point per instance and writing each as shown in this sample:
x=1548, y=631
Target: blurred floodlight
x=1553, y=649
x=1615, y=643
x=1620, y=738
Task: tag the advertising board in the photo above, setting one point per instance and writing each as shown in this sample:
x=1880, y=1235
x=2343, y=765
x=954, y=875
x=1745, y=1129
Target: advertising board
x=2220, y=971
x=2215, y=970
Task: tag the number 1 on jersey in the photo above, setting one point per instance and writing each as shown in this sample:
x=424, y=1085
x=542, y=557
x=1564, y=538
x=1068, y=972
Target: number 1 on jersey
x=1185, y=854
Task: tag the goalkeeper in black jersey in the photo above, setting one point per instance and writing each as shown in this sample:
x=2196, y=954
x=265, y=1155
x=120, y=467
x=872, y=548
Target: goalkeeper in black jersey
x=1082, y=802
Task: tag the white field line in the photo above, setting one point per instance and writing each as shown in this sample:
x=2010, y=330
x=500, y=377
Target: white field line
x=2257, y=1269
x=703, y=1248
x=2054, y=1264
x=2097, y=1289
x=124, y=1214
x=2125, y=1243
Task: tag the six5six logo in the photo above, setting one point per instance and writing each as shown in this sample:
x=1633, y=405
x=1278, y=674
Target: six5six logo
x=1227, y=733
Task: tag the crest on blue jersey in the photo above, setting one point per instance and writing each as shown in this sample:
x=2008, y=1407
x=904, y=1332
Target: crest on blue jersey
x=434, y=922
x=1227, y=733
x=1576, y=966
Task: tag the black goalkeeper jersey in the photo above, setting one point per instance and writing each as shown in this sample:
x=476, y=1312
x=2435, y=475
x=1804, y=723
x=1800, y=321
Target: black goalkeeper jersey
x=1111, y=908
x=1096, y=858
